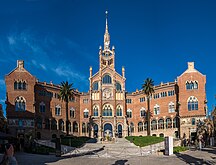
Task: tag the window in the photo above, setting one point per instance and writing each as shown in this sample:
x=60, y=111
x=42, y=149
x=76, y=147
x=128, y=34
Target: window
x=47, y=124
x=58, y=110
x=145, y=126
x=95, y=111
x=129, y=113
x=156, y=109
x=72, y=112
x=42, y=107
x=163, y=94
x=175, y=122
x=192, y=103
x=86, y=113
x=83, y=128
x=95, y=86
x=61, y=125
x=119, y=111
x=171, y=93
x=168, y=123
x=107, y=110
x=131, y=127
x=20, y=104
x=75, y=127
x=85, y=101
x=191, y=85
x=140, y=127
x=128, y=101
x=171, y=107
x=21, y=85
x=153, y=125
x=107, y=79
x=39, y=123
x=54, y=124
x=118, y=86
x=142, y=99
x=193, y=121
x=142, y=112
x=161, y=124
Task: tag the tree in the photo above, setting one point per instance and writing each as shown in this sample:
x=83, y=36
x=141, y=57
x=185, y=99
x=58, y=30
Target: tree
x=3, y=121
x=66, y=93
x=148, y=89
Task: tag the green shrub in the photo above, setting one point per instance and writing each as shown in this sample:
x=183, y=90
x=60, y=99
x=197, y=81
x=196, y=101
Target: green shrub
x=144, y=140
x=179, y=149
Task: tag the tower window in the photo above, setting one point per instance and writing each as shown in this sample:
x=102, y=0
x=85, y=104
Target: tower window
x=95, y=86
x=118, y=86
x=192, y=103
x=20, y=104
x=107, y=79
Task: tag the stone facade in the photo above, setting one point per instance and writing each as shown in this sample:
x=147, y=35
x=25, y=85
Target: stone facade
x=107, y=109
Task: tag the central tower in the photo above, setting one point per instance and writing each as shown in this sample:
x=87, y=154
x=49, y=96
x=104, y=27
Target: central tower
x=107, y=93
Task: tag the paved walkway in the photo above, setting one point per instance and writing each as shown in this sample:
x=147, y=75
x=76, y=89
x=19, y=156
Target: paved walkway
x=205, y=157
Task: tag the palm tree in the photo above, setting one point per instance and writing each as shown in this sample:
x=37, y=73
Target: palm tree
x=148, y=89
x=66, y=93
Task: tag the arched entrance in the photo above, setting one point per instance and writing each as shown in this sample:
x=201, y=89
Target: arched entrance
x=95, y=126
x=108, y=130
x=119, y=131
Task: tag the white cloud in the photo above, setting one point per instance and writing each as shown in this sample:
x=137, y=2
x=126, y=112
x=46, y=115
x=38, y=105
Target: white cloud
x=2, y=82
x=67, y=72
x=43, y=66
x=11, y=40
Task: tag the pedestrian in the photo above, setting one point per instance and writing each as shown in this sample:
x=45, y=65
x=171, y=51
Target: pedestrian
x=8, y=158
x=200, y=141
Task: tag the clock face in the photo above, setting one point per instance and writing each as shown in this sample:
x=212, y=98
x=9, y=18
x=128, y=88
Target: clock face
x=107, y=93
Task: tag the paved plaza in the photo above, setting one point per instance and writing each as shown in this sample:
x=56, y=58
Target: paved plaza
x=120, y=153
x=205, y=157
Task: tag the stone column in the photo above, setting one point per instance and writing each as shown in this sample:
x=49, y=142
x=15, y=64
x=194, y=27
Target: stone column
x=114, y=126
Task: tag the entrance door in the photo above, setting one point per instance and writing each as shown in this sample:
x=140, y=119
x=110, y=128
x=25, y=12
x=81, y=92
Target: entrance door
x=108, y=131
x=119, y=130
x=95, y=130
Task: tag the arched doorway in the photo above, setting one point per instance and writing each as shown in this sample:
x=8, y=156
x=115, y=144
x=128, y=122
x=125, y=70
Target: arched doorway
x=108, y=131
x=119, y=131
x=95, y=126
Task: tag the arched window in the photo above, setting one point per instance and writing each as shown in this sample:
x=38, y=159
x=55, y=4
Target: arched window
x=153, y=125
x=39, y=123
x=95, y=110
x=15, y=85
x=83, y=128
x=118, y=86
x=42, y=107
x=107, y=79
x=145, y=126
x=95, y=86
x=86, y=113
x=24, y=85
x=142, y=112
x=161, y=124
x=72, y=112
x=187, y=85
x=58, y=110
x=20, y=103
x=168, y=123
x=129, y=113
x=107, y=110
x=20, y=85
x=175, y=122
x=192, y=103
x=140, y=127
x=54, y=124
x=131, y=127
x=119, y=111
x=47, y=124
x=61, y=125
x=156, y=109
x=195, y=85
x=69, y=126
x=75, y=127
x=193, y=121
x=171, y=107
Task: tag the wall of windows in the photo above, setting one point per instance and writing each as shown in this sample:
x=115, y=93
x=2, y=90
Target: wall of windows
x=192, y=103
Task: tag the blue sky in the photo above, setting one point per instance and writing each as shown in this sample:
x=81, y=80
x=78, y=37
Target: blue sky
x=59, y=39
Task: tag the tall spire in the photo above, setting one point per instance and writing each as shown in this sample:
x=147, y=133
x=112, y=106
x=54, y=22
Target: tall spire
x=106, y=35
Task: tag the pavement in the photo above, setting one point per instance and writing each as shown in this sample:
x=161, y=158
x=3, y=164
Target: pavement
x=119, y=153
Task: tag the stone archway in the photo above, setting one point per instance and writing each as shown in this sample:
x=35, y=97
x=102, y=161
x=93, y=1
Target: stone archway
x=95, y=127
x=108, y=129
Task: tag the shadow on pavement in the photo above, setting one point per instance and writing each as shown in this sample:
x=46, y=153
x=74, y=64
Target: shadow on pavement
x=191, y=160
x=120, y=162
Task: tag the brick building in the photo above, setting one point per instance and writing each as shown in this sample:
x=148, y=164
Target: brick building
x=107, y=108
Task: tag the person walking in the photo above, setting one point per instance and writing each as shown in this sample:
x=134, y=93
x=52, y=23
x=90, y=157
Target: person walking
x=8, y=158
